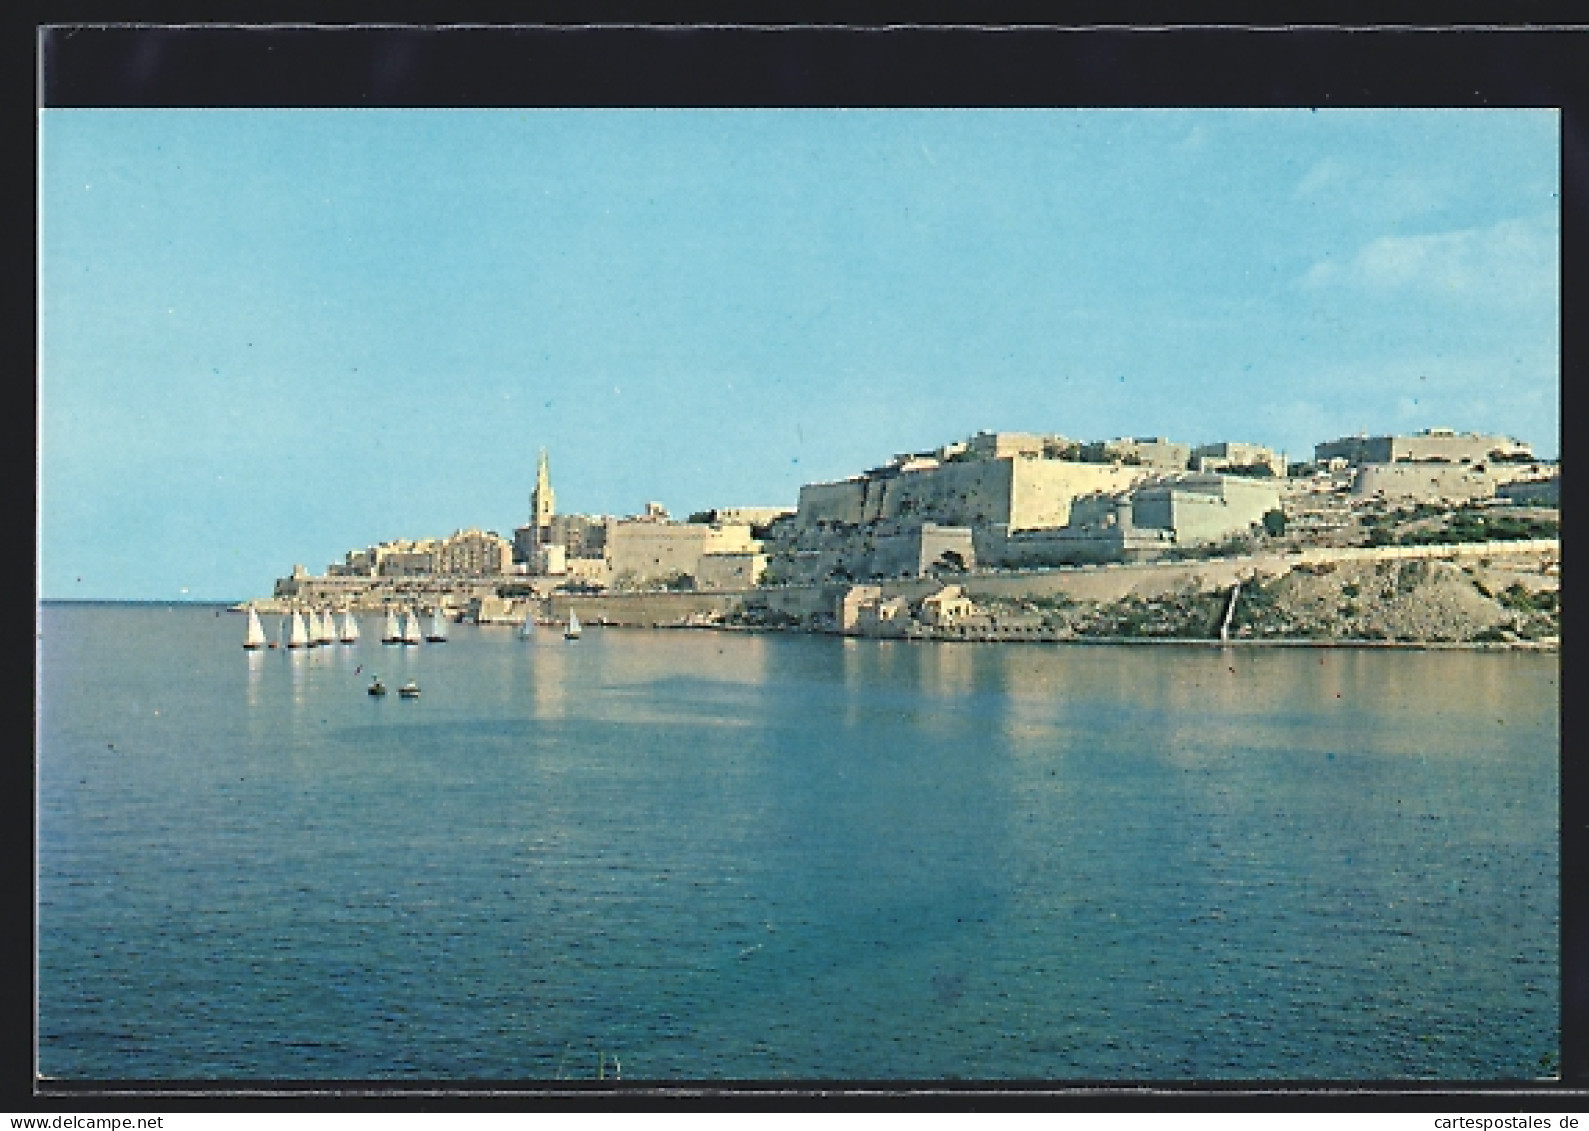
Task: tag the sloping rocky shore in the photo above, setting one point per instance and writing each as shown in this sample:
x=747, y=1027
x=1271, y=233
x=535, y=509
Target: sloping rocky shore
x=1423, y=601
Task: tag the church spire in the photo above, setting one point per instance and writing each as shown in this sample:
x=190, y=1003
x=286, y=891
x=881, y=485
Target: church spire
x=542, y=503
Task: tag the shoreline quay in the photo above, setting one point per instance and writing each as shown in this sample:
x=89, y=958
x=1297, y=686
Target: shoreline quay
x=1116, y=641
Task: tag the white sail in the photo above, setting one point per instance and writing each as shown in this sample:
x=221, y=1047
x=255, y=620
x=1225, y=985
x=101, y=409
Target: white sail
x=411, y=633
x=350, y=627
x=573, y=625
x=391, y=631
x=527, y=629
x=328, y=628
x=438, y=626
x=255, y=636
x=298, y=633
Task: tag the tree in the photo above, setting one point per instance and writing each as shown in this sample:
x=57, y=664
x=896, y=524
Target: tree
x=1274, y=523
x=950, y=561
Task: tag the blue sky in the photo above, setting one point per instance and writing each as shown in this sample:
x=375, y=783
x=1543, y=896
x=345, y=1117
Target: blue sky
x=271, y=337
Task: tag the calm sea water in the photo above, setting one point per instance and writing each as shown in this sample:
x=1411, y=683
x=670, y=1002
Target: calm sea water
x=722, y=856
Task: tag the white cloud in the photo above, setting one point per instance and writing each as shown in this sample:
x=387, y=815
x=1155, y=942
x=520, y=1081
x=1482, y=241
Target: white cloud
x=1195, y=139
x=1509, y=261
x=1321, y=175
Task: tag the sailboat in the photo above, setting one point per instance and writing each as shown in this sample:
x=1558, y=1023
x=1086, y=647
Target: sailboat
x=573, y=630
x=527, y=629
x=438, y=627
x=328, y=627
x=254, y=638
x=411, y=633
x=350, y=627
x=391, y=631
x=297, y=633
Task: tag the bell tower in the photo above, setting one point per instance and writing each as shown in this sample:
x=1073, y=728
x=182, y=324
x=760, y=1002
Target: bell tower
x=543, y=504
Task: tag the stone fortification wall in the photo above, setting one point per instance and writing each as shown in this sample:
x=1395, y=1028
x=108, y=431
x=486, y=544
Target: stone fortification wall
x=1023, y=492
x=1421, y=482
x=912, y=549
x=1545, y=491
x=798, y=600
x=1205, y=508
x=371, y=594
x=649, y=551
x=969, y=493
x=1455, y=447
x=750, y=516
x=644, y=610
x=832, y=502
x=1043, y=489
x=730, y=571
x=1082, y=545
x=954, y=494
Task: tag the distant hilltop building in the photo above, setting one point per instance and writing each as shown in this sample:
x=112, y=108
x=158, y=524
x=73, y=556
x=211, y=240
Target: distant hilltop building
x=1433, y=445
x=1151, y=451
x=996, y=500
x=1008, y=478
x=714, y=550
x=1005, y=499
x=466, y=553
x=1162, y=512
x=1437, y=465
x=1239, y=459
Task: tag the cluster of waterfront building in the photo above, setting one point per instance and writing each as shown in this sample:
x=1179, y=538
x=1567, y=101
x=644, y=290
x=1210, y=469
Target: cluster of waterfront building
x=998, y=500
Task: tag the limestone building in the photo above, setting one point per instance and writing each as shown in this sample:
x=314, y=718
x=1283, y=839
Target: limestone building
x=1161, y=515
x=1142, y=451
x=940, y=512
x=1433, y=445
x=1201, y=508
x=473, y=553
x=749, y=516
x=1238, y=459
x=405, y=558
x=949, y=605
x=1020, y=491
x=732, y=569
x=1422, y=482
x=651, y=549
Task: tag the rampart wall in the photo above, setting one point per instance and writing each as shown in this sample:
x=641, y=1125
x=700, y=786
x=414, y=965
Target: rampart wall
x=832, y=502
x=1422, y=481
x=1043, y=489
x=973, y=493
x=643, y=609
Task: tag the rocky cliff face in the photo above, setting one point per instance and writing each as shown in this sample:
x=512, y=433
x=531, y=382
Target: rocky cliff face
x=1410, y=600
